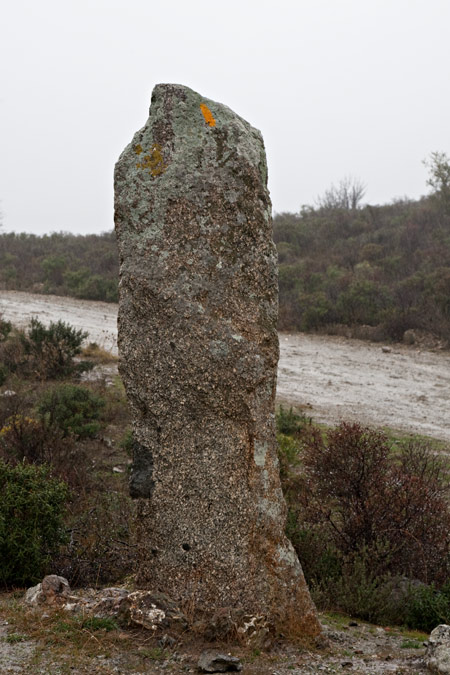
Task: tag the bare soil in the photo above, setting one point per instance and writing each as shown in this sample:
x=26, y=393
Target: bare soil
x=330, y=378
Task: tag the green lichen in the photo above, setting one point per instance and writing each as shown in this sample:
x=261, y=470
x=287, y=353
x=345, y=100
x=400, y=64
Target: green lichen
x=260, y=453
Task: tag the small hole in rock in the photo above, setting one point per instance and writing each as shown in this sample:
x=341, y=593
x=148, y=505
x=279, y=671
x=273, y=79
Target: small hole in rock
x=186, y=547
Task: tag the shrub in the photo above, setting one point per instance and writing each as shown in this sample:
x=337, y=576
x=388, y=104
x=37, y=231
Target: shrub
x=288, y=454
x=5, y=329
x=31, y=521
x=101, y=548
x=51, y=349
x=12, y=354
x=71, y=408
x=98, y=354
x=289, y=422
x=25, y=438
x=427, y=607
x=361, y=514
x=367, y=497
x=4, y=372
x=127, y=442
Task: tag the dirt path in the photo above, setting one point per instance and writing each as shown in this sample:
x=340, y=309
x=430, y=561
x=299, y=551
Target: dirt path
x=332, y=378
x=338, y=378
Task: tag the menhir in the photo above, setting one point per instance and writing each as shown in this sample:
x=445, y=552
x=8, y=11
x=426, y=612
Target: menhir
x=198, y=356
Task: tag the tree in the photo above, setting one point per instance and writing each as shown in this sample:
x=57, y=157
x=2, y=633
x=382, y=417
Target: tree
x=347, y=195
x=438, y=165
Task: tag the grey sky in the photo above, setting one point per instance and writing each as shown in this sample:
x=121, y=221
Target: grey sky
x=337, y=87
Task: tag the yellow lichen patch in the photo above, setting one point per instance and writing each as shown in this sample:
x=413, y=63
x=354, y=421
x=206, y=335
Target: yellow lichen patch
x=153, y=161
x=207, y=114
x=138, y=149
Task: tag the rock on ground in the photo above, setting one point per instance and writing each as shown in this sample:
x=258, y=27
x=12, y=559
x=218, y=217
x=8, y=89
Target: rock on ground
x=212, y=661
x=438, y=650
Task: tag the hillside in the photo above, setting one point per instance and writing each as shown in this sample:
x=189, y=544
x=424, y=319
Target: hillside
x=381, y=270
x=372, y=272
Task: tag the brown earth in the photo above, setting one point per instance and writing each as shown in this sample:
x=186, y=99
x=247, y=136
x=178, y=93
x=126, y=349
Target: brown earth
x=330, y=378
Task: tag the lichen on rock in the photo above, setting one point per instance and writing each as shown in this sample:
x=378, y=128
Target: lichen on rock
x=198, y=344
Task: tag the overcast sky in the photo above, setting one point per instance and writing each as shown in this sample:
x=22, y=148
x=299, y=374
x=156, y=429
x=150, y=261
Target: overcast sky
x=338, y=88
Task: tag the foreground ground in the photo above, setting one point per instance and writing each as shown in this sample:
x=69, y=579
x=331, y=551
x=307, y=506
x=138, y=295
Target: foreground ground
x=55, y=643
x=330, y=378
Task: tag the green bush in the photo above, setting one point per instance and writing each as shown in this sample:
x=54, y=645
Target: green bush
x=127, y=442
x=31, y=440
x=74, y=409
x=427, y=607
x=289, y=422
x=51, y=349
x=5, y=329
x=288, y=450
x=32, y=507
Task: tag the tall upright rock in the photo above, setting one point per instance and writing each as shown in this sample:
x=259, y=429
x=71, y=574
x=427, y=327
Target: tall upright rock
x=198, y=351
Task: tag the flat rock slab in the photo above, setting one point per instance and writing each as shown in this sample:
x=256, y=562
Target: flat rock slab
x=198, y=345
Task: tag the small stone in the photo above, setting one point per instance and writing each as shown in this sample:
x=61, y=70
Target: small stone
x=211, y=661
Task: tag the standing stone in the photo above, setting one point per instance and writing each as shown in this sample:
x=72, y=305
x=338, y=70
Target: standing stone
x=198, y=351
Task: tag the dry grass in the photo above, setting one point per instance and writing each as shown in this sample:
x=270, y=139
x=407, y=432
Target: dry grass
x=60, y=636
x=98, y=354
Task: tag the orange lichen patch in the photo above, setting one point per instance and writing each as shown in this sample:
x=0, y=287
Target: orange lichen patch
x=138, y=149
x=207, y=114
x=153, y=161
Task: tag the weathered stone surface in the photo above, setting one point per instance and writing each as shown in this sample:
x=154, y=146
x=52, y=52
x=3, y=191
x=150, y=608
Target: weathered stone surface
x=52, y=590
x=198, y=356
x=151, y=610
x=438, y=650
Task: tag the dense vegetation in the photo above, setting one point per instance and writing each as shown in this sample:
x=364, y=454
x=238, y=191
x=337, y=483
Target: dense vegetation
x=370, y=520
x=60, y=263
x=385, y=268
x=378, y=271
x=63, y=461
